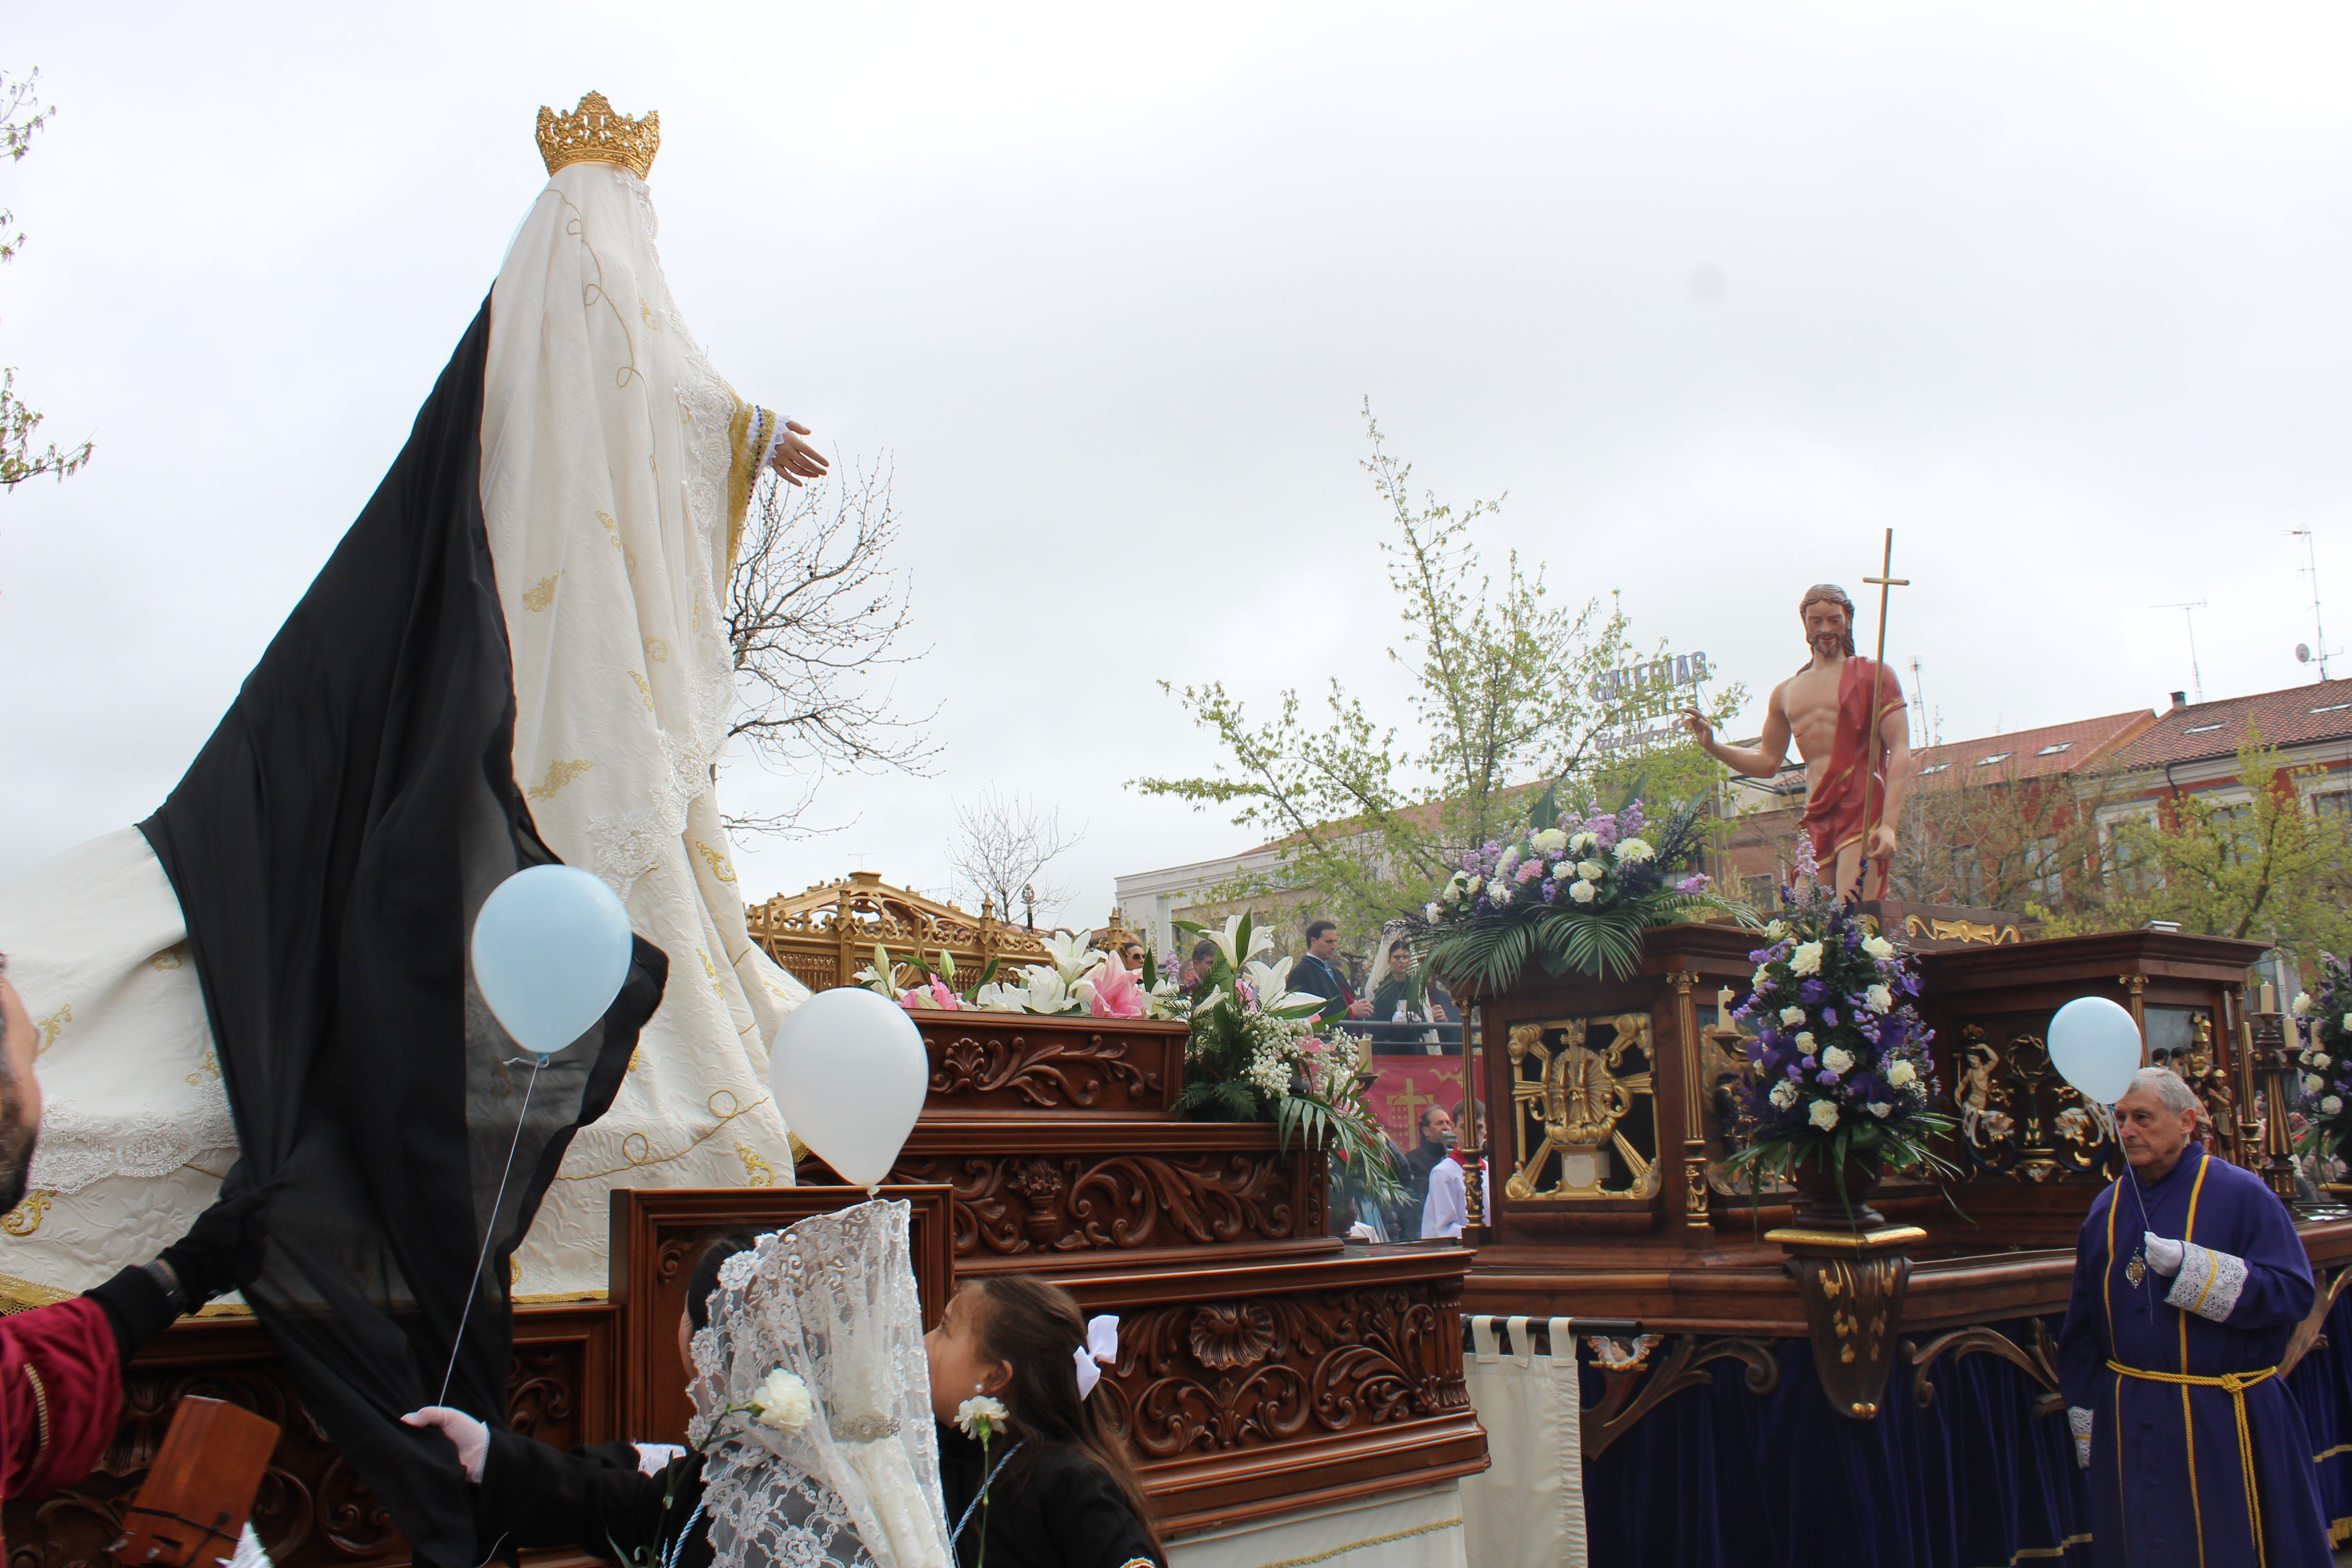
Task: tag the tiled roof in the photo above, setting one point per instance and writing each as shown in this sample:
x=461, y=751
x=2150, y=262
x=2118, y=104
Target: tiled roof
x=2300, y=715
x=2031, y=754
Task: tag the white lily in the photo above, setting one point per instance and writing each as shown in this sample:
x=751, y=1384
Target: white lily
x=1272, y=984
x=1073, y=959
x=1229, y=940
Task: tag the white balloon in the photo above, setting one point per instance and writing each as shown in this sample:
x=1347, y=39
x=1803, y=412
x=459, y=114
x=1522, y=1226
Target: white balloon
x=849, y=1074
x=2094, y=1046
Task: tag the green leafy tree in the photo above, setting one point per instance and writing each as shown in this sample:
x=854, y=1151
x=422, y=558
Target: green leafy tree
x=2269, y=868
x=21, y=114
x=1373, y=810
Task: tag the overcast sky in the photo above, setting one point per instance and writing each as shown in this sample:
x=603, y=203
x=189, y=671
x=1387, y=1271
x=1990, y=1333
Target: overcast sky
x=1715, y=293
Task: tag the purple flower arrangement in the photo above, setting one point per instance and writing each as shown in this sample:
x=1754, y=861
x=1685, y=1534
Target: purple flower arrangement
x=1839, y=1064
x=2325, y=1060
x=1574, y=892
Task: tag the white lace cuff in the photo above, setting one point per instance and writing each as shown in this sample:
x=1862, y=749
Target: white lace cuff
x=2078, y=1423
x=2209, y=1283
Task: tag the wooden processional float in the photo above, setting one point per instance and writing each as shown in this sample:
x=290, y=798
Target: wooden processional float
x=1264, y=1367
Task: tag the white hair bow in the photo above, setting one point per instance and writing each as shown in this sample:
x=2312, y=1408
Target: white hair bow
x=1101, y=1350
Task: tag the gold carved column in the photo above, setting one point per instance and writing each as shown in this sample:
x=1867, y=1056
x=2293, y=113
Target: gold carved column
x=1690, y=1054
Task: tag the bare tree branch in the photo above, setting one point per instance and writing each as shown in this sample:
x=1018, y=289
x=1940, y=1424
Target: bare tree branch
x=1003, y=848
x=815, y=616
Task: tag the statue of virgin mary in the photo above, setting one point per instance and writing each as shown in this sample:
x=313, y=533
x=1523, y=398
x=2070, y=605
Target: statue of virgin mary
x=517, y=654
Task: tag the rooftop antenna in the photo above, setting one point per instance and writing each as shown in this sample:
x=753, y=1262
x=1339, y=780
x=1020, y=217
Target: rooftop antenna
x=2188, y=612
x=2318, y=628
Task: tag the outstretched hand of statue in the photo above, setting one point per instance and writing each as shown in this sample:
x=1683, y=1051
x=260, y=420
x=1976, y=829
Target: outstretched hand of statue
x=1695, y=722
x=793, y=457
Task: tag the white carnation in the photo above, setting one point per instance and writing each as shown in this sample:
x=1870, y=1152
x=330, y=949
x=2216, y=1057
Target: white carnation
x=1581, y=892
x=1499, y=890
x=1510, y=859
x=1583, y=844
x=782, y=1402
x=1763, y=977
x=1901, y=1074
x=1880, y=998
x=1805, y=1041
x=1784, y=1094
x=1877, y=947
x=1550, y=841
x=1793, y=1014
x=1823, y=1115
x=1634, y=850
x=2322, y=1060
x=1430, y=912
x=1591, y=870
x=1807, y=958
x=2313, y=1083
x=2330, y=1104
x=1881, y=1107
x=2303, y=1004
x=1837, y=1059
x=1776, y=928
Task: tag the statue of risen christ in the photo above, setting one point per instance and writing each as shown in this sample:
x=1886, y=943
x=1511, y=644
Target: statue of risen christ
x=1847, y=716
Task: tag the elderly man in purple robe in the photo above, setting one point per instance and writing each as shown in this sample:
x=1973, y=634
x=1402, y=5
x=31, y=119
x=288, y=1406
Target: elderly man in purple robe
x=2189, y=1280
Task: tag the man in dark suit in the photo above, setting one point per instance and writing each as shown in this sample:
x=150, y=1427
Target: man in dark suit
x=1317, y=974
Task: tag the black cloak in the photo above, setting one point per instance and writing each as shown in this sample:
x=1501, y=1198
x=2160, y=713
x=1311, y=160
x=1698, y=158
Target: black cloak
x=330, y=846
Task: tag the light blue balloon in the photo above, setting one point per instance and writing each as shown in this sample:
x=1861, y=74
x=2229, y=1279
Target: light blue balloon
x=552, y=947
x=2096, y=1046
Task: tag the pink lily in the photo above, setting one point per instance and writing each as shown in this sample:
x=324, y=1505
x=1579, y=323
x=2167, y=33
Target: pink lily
x=935, y=995
x=1116, y=992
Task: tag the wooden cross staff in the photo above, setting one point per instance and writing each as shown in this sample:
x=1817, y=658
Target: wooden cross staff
x=1884, y=581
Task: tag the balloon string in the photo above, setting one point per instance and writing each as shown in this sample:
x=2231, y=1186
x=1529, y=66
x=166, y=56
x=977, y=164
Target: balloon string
x=2107, y=1115
x=490, y=1231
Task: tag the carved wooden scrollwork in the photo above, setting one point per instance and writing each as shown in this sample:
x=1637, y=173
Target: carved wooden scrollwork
x=2039, y=1363
x=1015, y=1204
x=1629, y=1393
x=2307, y=1333
x=1217, y=1376
x=1043, y=1071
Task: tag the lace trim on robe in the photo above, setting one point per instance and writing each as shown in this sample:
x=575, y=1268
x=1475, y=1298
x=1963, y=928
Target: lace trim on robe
x=2209, y=1283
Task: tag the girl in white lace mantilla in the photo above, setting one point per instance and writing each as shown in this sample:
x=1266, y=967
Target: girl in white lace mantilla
x=810, y=1446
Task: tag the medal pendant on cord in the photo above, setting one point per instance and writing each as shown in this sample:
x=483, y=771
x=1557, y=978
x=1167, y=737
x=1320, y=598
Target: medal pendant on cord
x=2137, y=1269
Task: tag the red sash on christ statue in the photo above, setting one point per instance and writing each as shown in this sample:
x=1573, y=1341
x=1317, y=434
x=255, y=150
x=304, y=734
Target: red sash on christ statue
x=1833, y=810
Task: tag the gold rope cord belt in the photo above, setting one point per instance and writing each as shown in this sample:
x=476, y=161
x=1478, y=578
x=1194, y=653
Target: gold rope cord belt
x=2236, y=1383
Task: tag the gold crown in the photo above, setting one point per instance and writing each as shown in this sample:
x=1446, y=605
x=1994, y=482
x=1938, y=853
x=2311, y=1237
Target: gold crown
x=593, y=134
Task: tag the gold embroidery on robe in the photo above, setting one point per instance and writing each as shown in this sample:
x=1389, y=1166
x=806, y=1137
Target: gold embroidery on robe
x=539, y=594
x=720, y=867
x=638, y=1150
x=26, y=1217
x=561, y=772
x=167, y=959
x=757, y=1173
x=52, y=1027
x=208, y=1068
x=644, y=691
x=658, y=650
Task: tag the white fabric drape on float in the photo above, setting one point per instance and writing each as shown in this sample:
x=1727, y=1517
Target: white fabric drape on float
x=1526, y=1510
x=615, y=469
x=1418, y=1529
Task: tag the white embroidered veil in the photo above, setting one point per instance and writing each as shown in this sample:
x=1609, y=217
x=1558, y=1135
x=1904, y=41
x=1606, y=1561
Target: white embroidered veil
x=830, y=1300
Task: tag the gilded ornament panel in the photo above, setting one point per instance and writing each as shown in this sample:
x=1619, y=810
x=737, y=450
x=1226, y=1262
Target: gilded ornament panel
x=1583, y=1109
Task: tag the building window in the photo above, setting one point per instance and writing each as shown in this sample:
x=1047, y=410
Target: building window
x=1996, y=757
x=2054, y=750
x=2042, y=866
x=2200, y=728
x=2332, y=803
x=1764, y=892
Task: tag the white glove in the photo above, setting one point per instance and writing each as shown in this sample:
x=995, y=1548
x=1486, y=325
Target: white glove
x=471, y=1439
x=2163, y=1255
x=2078, y=1422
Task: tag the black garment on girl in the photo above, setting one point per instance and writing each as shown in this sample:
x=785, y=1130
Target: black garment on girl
x=1060, y=1510
x=596, y=1500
